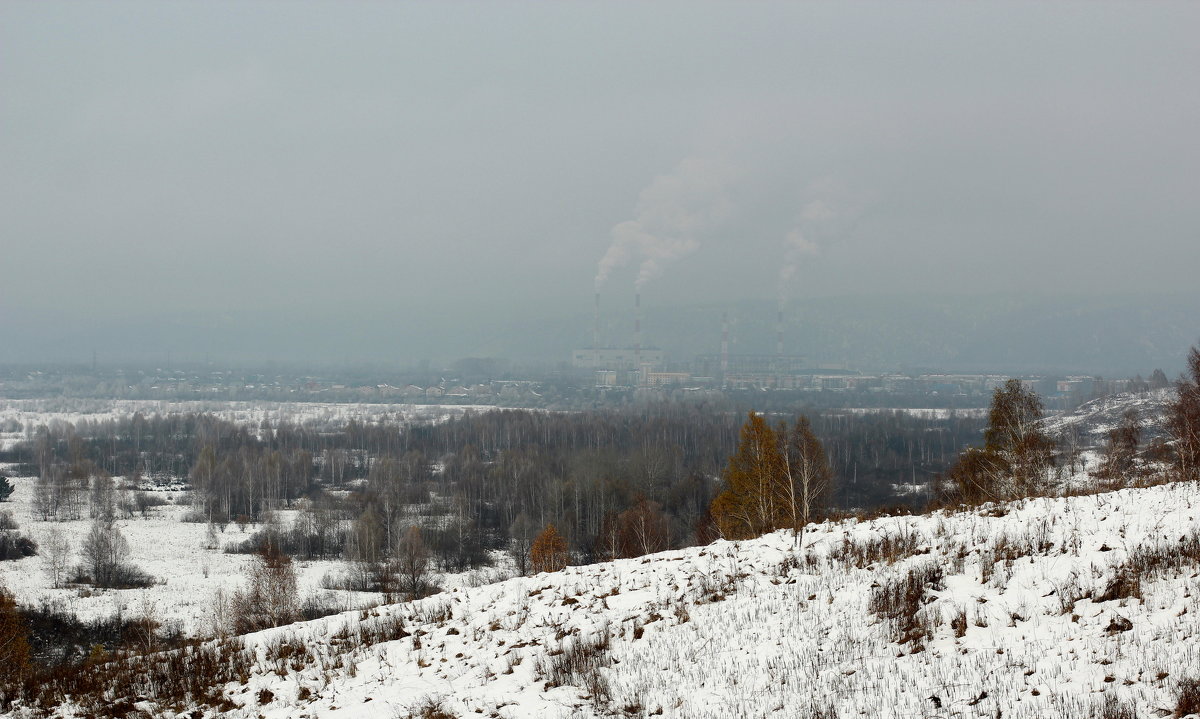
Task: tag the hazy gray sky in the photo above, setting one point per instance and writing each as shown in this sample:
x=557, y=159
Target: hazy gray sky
x=293, y=156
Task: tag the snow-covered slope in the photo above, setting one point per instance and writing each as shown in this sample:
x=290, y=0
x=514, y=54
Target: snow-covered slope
x=1011, y=610
x=1094, y=419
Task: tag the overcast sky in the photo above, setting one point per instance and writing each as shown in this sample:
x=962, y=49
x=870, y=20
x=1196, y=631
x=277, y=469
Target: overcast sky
x=296, y=157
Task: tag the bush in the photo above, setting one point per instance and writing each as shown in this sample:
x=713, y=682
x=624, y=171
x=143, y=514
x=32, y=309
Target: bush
x=14, y=647
x=899, y=600
x=296, y=542
x=1187, y=697
x=105, y=556
x=270, y=597
x=578, y=664
x=7, y=521
x=883, y=548
x=16, y=546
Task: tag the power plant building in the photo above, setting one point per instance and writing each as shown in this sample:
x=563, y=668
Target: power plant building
x=616, y=358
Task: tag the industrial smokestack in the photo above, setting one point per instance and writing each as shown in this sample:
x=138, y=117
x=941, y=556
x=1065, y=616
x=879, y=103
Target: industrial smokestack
x=779, y=332
x=724, y=344
x=596, y=335
x=637, y=332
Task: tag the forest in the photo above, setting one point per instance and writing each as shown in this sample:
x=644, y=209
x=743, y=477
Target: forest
x=479, y=482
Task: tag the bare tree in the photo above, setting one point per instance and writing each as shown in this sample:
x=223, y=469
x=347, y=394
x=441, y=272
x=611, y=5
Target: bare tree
x=521, y=535
x=105, y=555
x=1183, y=420
x=270, y=598
x=808, y=480
x=412, y=563
x=56, y=554
x=102, y=498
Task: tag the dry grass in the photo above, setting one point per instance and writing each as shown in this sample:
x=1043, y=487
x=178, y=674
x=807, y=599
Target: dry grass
x=899, y=600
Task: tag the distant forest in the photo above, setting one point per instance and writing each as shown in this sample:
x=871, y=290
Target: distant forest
x=483, y=481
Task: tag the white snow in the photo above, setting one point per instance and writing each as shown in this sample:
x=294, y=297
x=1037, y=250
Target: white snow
x=30, y=413
x=761, y=628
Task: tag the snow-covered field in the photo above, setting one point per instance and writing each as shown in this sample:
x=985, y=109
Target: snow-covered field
x=932, y=413
x=19, y=416
x=1019, y=627
x=174, y=553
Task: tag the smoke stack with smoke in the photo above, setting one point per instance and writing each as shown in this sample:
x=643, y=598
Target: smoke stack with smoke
x=671, y=212
x=797, y=246
x=779, y=332
x=637, y=331
x=724, y=345
x=596, y=333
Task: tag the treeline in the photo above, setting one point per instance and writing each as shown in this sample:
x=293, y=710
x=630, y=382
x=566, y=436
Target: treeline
x=482, y=480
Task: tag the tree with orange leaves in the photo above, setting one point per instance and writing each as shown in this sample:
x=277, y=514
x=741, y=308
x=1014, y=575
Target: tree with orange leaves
x=549, y=551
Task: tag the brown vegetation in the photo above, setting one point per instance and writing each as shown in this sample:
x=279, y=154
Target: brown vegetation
x=549, y=551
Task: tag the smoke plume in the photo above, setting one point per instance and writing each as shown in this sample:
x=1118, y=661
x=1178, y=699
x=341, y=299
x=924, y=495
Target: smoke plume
x=671, y=214
x=826, y=215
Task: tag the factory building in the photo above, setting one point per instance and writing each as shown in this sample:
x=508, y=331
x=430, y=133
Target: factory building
x=616, y=358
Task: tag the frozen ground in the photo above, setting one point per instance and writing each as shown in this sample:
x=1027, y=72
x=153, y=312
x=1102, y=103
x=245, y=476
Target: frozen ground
x=1020, y=626
x=174, y=553
x=1093, y=420
x=18, y=416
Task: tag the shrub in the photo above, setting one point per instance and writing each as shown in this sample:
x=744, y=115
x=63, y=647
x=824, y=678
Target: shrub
x=887, y=547
x=14, y=646
x=578, y=664
x=429, y=708
x=270, y=598
x=105, y=556
x=899, y=601
x=1114, y=708
x=1187, y=697
x=16, y=546
x=1147, y=562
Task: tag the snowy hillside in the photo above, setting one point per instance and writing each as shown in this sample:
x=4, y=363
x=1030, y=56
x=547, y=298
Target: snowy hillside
x=1044, y=607
x=1093, y=420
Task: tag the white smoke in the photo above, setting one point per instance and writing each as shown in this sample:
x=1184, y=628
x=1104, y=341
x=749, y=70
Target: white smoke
x=671, y=212
x=797, y=246
x=822, y=217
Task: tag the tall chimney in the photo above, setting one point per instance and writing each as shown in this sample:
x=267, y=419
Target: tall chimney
x=596, y=335
x=779, y=332
x=724, y=345
x=637, y=333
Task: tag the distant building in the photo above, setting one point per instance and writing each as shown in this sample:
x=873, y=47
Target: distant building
x=657, y=379
x=616, y=358
x=746, y=364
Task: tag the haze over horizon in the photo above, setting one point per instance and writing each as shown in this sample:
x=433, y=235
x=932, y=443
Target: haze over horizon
x=356, y=181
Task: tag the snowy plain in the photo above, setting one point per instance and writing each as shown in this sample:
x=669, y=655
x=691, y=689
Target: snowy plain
x=19, y=417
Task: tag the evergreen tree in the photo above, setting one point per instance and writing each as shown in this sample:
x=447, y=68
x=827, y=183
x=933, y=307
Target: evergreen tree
x=6, y=488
